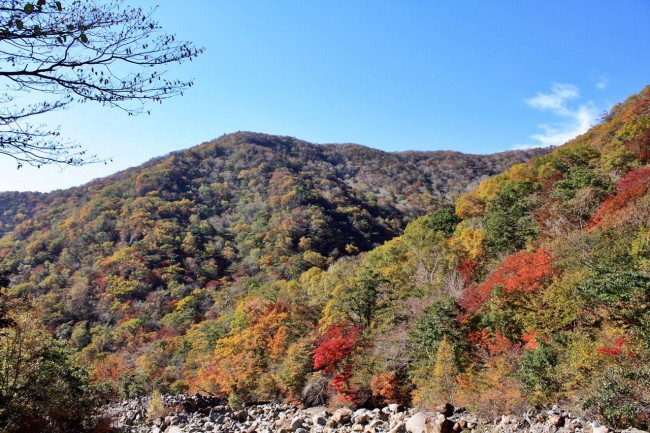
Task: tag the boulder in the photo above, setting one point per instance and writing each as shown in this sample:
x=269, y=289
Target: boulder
x=446, y=409
x=342, y=415
x=240, y=415
x=417, y=423
x=362, y=418
x=297, y=423
x=317, y=410
x=555, y=420
x=399, y=427
x=331, y=423
x=440, y=425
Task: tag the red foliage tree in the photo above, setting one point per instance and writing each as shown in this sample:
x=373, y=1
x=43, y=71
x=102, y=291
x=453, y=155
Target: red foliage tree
x=466, y=270
x=493, y=344
x=634, y=185
x=614, y=350
x=336, y=344
x=520, y=272
x=333, y=354
x=530, y=340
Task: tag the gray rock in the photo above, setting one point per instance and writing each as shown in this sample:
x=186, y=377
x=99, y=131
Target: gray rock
x=362, y=418
x=240, y=415
x=427, y=422
x=556, y=420
x=446, y=409
x=417, y=423
x=342, y=415
x=174, y=429
x=178, y=420
x=331, y=423
x=441, y=425
x=399, y=427
x=296, y=423
x=317, y=410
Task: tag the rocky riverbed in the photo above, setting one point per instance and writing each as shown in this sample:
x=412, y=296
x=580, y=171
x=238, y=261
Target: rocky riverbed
x=198, y=414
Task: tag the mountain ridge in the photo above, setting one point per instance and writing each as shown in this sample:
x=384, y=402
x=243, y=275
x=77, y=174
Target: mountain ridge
x=326, y=152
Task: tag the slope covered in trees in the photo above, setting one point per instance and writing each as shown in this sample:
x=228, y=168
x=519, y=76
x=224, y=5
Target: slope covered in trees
x=142, y=272
x=251, y=268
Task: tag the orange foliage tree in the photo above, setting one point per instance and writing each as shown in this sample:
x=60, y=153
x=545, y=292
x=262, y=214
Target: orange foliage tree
x=490, y=387
x=520, y=272
x=634, y=185
x=240, y=364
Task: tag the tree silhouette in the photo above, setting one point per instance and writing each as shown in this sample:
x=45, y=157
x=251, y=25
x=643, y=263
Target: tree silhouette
x=56, y=53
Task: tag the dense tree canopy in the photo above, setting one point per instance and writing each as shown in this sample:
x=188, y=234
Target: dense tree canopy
x=257, y=267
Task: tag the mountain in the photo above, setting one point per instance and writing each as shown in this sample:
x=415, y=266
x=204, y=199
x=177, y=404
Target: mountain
x=411, y=182
x=265, y=268
x=219, y=218
x=238, y=204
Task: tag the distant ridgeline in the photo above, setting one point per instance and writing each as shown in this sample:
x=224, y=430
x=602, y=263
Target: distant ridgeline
x=257, y=267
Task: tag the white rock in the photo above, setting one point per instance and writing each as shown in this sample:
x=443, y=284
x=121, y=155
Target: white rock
x=417, y=423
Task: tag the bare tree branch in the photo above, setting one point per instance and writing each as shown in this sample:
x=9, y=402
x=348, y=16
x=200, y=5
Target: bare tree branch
x=78, y=51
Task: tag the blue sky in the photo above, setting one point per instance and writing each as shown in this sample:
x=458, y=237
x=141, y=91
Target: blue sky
x=472, y=76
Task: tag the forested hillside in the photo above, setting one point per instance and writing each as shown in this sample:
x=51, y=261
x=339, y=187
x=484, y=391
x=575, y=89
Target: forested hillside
x=263, y=268
x=142, y=272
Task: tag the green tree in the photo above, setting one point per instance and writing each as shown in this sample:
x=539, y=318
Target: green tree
x=508, y=224
x=41, y=387
x=361, y=300
x=5, y=320
x=537, y=372
x=443, y=219
x=437, y=323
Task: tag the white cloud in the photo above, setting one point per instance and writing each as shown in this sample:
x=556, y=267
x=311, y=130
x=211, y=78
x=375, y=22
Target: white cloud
x=574, y=121
x=602, y=82
x=555, y=100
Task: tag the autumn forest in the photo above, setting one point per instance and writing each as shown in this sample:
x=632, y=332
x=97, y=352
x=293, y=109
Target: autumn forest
x=264, y=268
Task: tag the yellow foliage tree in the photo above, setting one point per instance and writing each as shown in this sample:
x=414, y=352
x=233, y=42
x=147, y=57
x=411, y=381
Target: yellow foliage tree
x=437, y=383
